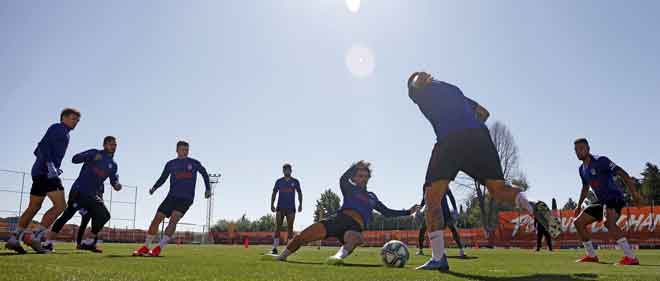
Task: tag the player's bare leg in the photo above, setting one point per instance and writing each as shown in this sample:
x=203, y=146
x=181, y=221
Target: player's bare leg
x=290, y=219
x=581, y=223
x=352, y=239
x=59, y=205
x=14, y=242
x=151, y=234
x=435, y=223
x=614, y=230
x=169, y=233
x=312, y=233
x=279, y=220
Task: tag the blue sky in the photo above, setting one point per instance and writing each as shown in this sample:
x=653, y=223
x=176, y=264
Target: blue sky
x=254, y=84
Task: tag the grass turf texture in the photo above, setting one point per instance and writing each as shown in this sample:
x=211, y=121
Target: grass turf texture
x=215, y=262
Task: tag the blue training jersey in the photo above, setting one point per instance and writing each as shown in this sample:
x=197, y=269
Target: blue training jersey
x=183, y=177
x=51, y=148
x=286, y=189
x=599, y=175
x=98, y=166
x=362, y=201
x=445, y=106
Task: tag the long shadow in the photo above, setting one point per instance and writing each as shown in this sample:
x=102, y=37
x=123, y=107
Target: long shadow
x=463, y=258
x=115, y=256
x=534, y=277
x=361, y=265
x=305, y=262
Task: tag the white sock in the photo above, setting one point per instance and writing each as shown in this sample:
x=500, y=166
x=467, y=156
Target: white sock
x=437, y=245
x=589, y=248
x=49, y=242
x=163, y=242
x=89, y=241
x=286, y=253
x=148, y=240
x=342, y=253
x=523, y=203
x=276, y=242
x=627, y=250
x=461, y=252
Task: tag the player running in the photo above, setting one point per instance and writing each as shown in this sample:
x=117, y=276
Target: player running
x=450, y=219
x=87, y=192
x=463, y=144
x=182, y=173
x=598, y=172
x=286, y=205
x=46, y=181
x=354, y=214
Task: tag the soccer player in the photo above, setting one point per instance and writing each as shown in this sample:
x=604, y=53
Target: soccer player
x=463, y=143
x=98, y=165
x=450, y=219
x=286, y=205
x=46, y=181
x=354, y=214
x=599, y=172
x=182, y=173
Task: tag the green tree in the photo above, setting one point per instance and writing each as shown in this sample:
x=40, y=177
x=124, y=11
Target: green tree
x=327, y=205
x=650, y=183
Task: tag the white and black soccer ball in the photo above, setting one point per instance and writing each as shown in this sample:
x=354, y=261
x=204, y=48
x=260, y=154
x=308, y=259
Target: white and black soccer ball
x=394, y=254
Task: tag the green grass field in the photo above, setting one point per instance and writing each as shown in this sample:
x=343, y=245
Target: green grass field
x=192, y=262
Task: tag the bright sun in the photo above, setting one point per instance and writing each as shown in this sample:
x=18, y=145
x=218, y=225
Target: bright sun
x=353, y=5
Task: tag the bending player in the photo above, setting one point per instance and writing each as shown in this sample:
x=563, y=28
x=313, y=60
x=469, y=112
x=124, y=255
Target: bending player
x=598, y=172
x=286, y=204
x=98, y=165
x=182, y=173
x=354, y=214
x=46, y=181
x=450, y=221
x=463, y=143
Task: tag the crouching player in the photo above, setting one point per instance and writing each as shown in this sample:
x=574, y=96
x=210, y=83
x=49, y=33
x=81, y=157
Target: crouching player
x=354, y=214
x=98, y=165
x=182, y=172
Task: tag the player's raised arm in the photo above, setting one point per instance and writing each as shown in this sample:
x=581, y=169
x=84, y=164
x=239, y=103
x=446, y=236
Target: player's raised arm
x=385, y=211
x=482, y=113
x=84, y=156
x=344, y=181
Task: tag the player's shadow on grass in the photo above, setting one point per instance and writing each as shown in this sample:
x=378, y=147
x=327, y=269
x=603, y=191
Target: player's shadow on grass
x=115, y=256
x=535, y=277
x=462, y=258
x=345, y=264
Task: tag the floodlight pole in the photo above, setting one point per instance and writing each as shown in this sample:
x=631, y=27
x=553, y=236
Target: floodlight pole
x=214, y=179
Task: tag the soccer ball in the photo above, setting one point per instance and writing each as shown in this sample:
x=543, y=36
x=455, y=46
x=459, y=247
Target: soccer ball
x=394, y=254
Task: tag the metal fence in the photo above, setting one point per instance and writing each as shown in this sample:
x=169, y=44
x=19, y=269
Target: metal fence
x=15, y=195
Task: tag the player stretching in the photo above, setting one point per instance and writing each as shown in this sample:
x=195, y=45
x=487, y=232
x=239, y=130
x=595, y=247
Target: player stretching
x=46, y=182
x=182, y=172
x=598, y=172
x=354, y=214
x=463, y=144
x=286, y=205
x=450, y=221
x=98, y=165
